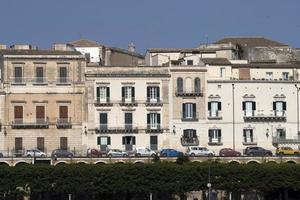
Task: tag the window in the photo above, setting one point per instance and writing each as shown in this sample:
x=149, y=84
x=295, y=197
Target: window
x=279, y=107
x=103, y=121
x=280, y=132
x=153, y=120
x=63, y=143
x=18, y=112
x=214, y=135
x=18, y=145
x=128, y=94
x=189, y=111
x=128, y=121
x=179, y=85
x=39, y=73
x=63, y=114
x=269, y=75
x=63, y=74
x=153, y=94
x=40, y=143
x=103, y=141
x=249, y=107
x=222, y=72
x=189, y=133
x=128, y=141
x=189, y=62
x=40, y=114
x=248, y=135
x=214, y=107
x=197, y=86
x=153, y=142
x=18, y=74
x=285, y=76
x=102, y=94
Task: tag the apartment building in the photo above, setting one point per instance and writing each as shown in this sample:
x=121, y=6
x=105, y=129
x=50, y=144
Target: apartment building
x=127, y=107
x=43, y=99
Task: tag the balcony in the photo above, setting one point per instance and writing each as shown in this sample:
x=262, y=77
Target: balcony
x=189, y=141
x=127, y=128
x=215, y=141
x=274, y=116
x=64, y=123
x=19, y=123
x=217, y=115
x=250, y=141
x=189, y=116
x=100, y=102
x=188, y=94
x=153, y=101
x=39, y=81
x=282, y=140
x=154, y=128
x=128, y=102
x=18, y=81
x=63, y=81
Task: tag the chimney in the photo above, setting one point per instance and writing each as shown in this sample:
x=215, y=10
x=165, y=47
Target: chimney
x=131, y=47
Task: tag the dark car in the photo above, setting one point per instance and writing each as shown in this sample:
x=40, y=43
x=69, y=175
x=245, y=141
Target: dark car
x=61, y=153
x=170, y=153
x=229, y=152
x=257, y=151
x=95, y=153
x=1, y=155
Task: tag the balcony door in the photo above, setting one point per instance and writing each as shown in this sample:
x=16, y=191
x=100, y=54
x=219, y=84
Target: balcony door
x=128, y=141
x=103, y=142
x=63, y=74
x=128, y=121
x=63, y=114
x=41, y=143
x=103, y=121
x=280, y=132
x=39, y=74
x=18, y=112
x=18, y=74
x=153, y=142
x=18, y=144
x=64, y=143
x=40, y=114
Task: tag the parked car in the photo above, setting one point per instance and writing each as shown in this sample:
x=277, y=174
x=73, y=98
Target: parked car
x=142, y=151
x=1, y=155
x=95, y=153
x=229, y=152
x=170, y=153
x=34, y=153
x=286, y=151
x=61, y=153
x=199, y=151
x=257, y=151
x=117, y=153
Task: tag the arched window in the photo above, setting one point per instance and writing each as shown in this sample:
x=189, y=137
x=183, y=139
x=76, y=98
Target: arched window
x=179, y=85
x=197, y=86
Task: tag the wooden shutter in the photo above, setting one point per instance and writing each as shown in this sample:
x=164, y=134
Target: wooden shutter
x=210, y=133
x=153, y=139
x=128, y=118
x=133, y=92
x=123, y=92
x=63, y=72
x=108, y=141
x=274, y=105
x=123, y=140
x=98, y=140
x=158, y=119
x=103, y=118
x=39, y=73
x=107, y=92
x=18, y=144
x=40, y=112
x=158, y=92
x=244, y=105
x=179, y=85
x=41, y=143
x=194, y=110
x=197, y=86
x=254, y=105
x=64, y=143
x=148, y=92
x=18, y=110
x=209, y=105
x=219, y=106
x=98, y=92
x=284, y=105
x=63, y=112
x=148, y=118
x=133, y=140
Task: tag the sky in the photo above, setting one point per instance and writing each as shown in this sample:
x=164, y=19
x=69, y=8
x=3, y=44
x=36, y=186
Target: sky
x=147, y=23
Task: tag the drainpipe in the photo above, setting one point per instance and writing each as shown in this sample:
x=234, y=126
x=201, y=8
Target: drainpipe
x=233, y=120
x=297, y=110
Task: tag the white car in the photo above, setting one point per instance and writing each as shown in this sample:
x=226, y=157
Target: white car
x=35, y=153
x=143, y=151
x=199, y=151
x=117, y=153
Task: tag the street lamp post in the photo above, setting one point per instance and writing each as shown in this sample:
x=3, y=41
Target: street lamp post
x=233, y=119
x=209, y=184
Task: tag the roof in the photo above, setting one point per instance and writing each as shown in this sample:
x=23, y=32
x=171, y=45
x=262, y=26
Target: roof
x=267, y=65
x=216, y=61
x=126, y=52
x=37, y=52
x=166, y=50
x=85, y=43
x=251, y=41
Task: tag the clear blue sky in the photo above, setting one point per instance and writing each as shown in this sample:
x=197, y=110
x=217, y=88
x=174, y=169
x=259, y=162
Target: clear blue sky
x=147, y=23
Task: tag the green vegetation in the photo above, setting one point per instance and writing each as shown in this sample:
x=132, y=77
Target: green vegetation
x=117, y=181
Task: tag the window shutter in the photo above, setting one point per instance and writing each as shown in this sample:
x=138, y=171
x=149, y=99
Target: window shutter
x=158, y=92
x=103, y=118
x=123, y=140
x=148, y=92
x=123, y=92
x=254, y=105
x=183, y=110
x=219, y=106
x=108, y=141
x=107, y=92
x=209, y=105
x=244, y=133
x=158, y=118
x=148, y=118
x=284, y=105
x=133, y=140
x=98, y=140
x=132, y=91
x=98, y=92
x=210, y=133
x=219, y=133
x=244, y=105
x=194, y=133
x=194, y=110
x=274, y=105
x=179, y=85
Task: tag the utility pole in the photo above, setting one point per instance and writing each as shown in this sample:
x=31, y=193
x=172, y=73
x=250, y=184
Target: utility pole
x=233, y=119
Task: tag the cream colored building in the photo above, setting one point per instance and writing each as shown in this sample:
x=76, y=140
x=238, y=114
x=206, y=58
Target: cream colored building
x=43, y=106
x=127, y=107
